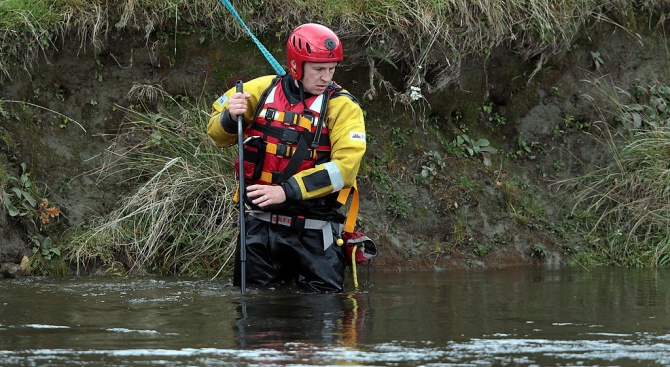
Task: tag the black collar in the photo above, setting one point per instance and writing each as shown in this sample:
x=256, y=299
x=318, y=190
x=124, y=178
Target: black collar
x=291, y=91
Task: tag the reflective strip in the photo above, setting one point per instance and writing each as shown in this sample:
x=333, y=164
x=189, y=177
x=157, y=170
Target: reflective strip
x=303, y=122
x=284, y=220
x=316, y=105
x=335, y=175
x=271, y=95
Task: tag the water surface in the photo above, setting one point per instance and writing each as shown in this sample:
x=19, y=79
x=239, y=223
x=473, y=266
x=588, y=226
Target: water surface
x=512, y=317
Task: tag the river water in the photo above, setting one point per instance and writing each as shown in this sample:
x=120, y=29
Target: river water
x=511, y=317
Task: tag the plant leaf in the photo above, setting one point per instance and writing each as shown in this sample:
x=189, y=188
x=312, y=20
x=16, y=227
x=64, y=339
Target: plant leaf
x=30, y=198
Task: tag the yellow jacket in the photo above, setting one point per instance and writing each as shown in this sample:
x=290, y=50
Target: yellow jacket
x=346, y=126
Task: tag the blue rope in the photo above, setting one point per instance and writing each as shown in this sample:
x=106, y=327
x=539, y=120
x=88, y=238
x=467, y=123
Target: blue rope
x=278, y=69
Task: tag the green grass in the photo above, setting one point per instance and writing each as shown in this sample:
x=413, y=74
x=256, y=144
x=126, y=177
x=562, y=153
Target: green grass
x=627, y=200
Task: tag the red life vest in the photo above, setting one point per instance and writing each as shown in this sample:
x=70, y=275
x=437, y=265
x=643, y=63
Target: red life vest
x=285, y=139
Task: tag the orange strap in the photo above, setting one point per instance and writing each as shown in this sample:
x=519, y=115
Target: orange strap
x=298, y=120
x=353, y=207
x=272, y=148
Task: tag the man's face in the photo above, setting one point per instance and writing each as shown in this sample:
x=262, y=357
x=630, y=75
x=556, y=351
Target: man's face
x=317, y=75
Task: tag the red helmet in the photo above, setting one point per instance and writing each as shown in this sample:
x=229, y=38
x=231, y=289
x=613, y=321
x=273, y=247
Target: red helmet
x=312, y=42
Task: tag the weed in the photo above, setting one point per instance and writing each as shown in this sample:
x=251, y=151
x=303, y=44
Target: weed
x=64, y=187
x=379, y=172
x=399, y=137
x=60, y=93
x=597, y=60
x=430, y=169
x=628, y=199
x=398, y=206
x=480, y=249
x=492, y=116
x=473, y=147
x=525, y=149
x=652, y=111
x=464, y=181
x=558, y=165
x=43, y=245
x=18, y=195
x=538, y=251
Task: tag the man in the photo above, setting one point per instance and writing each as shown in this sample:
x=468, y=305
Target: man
x=304, y=141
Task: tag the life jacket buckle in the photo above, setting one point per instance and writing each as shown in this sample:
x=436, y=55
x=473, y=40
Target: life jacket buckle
x=284, y=150
x=290, y=136
x=309, y=117
x=270, y=114
x=291, y=118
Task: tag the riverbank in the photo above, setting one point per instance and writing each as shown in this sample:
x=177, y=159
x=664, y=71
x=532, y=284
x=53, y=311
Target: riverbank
x=432, y=196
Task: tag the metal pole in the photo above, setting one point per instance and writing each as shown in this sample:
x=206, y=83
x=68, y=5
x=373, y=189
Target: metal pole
x=240, y=168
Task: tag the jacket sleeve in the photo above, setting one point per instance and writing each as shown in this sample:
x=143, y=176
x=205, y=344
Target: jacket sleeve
x=346, y=126
x=221, y=128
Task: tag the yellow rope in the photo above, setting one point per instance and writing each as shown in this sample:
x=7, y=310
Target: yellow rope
x=353, y=264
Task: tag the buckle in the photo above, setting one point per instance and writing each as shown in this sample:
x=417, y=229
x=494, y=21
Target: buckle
x=290, y=136
x=290, y=118
x=270, y=114
x=310, y=117
x=297, y=222
x=284, y=150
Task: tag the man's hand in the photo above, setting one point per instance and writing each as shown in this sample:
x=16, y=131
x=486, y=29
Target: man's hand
x=264, y=195
x=237, y=104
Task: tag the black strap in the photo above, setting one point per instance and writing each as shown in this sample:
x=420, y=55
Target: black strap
x=264, y=96
x=301, y=152
x=322, y=117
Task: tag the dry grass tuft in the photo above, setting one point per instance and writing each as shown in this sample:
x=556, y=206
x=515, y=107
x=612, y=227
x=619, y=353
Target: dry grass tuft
x=179, y=219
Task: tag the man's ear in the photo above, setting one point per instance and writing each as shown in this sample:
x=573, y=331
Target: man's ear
x=294, y=65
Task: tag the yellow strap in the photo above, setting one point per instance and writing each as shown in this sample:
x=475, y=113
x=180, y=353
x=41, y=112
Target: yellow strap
x=266, y=176
x=279, y=116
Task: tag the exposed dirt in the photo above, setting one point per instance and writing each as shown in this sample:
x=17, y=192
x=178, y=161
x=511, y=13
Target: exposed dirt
x=467, y=216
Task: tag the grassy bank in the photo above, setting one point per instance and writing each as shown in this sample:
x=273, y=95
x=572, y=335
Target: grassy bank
x=180, y=219
x=427, y=41
x=626, y=203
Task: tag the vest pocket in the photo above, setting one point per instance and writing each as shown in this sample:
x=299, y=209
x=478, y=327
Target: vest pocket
x=254, y=156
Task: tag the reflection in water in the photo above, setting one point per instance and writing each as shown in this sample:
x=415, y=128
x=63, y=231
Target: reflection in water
x=513, y=317
x=333, y=319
